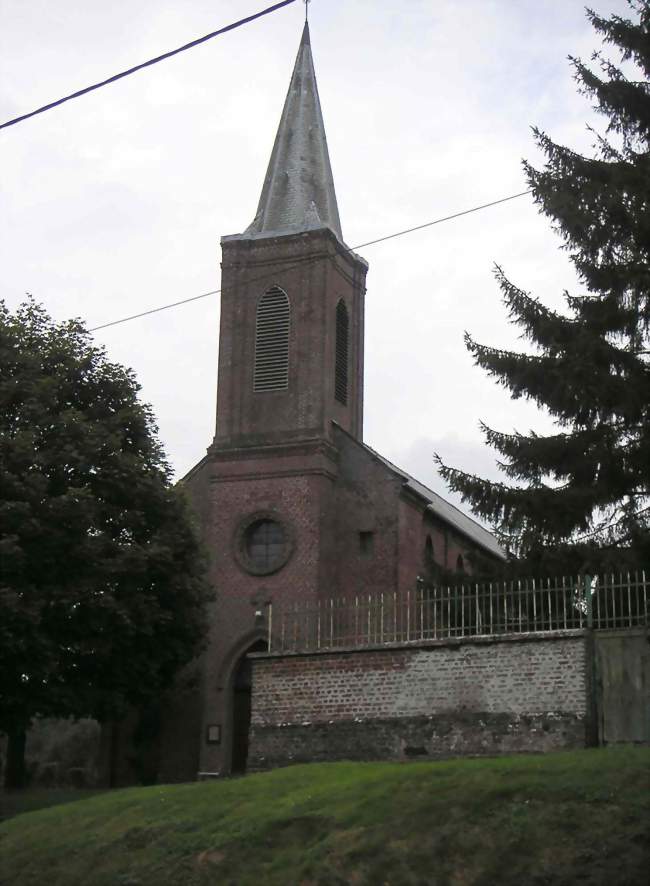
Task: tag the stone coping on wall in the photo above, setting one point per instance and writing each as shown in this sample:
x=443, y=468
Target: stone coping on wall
x=453, y=642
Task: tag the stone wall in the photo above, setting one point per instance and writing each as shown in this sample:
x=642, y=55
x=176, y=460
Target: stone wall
x=439, y=699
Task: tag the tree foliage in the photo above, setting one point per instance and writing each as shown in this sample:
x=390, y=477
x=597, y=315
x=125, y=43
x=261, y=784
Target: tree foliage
x=101, y=579
x=589, y=483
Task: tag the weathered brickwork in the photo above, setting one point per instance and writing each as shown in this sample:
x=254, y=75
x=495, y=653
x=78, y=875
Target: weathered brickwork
x=296, y=499
x=290, y=461
x=517, y=676
x=313, y=271
x=436, y=700
x=296, y=456
x=292, y=456
x=410, y=738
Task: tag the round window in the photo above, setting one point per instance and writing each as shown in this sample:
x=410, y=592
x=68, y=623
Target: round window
x=264, y=544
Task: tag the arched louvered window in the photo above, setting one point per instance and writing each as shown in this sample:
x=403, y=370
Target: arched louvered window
x=272, y=341
x=342, y=348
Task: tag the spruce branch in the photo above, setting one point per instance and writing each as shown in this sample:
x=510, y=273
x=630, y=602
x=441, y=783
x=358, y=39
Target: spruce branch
x=588, y=366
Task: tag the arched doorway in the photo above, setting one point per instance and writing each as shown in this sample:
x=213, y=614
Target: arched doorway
x=241, y=708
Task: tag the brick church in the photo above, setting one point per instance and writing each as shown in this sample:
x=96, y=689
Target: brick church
x=293, y=506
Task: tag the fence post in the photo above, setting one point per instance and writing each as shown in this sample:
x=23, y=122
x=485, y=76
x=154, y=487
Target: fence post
x=318, y=626
x=629, y=600
x=356, y=621
x=408, y=616
x=295, y=627
x=592, y=731
x=435, y=612
x=588, y=601
x=462, y=610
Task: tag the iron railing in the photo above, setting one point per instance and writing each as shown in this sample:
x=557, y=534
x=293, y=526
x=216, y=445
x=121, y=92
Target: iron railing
x=432, y=612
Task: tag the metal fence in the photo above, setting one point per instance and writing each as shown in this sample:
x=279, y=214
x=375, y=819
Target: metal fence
x=432, y=612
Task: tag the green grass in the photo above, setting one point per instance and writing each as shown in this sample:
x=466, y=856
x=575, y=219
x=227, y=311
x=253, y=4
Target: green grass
x=573, y=818
x=15, y=802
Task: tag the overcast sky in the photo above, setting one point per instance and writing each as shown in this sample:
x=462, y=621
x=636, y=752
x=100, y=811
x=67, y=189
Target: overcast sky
x=115, y=202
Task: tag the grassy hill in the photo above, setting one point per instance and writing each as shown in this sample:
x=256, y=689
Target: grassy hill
x=573, y=818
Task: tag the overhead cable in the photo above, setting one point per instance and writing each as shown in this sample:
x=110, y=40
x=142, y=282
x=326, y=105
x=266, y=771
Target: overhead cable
x=147, y=64
x=439, y=221
x=304, y=262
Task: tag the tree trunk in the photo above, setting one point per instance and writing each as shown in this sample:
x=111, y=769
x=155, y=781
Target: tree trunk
x=113, y=754
x=15, y=770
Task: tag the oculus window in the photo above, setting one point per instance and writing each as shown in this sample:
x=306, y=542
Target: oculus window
x=263, y=544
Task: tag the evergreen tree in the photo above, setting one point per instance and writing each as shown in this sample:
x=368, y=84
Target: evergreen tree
x=101, y=581
x=589, y=483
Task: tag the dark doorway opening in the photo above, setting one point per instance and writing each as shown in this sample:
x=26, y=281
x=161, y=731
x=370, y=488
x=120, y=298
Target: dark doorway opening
x=241, y=708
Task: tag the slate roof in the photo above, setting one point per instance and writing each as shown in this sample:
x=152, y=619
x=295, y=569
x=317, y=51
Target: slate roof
x=298, y=192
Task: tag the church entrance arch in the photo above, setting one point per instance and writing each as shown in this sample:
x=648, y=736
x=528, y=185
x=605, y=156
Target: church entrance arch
x=241, y=686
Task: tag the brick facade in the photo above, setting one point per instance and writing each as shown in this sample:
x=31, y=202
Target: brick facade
x=436, y=700
x=325, y=492
x=315, y=273
x=292, y=454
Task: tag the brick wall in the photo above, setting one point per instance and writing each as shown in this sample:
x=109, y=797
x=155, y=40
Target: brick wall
x=241, y=487
x=311, y=268
x=294, y=456
x=366, y=499
x=436, y=700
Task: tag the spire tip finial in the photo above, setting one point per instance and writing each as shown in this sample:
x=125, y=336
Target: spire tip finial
x=298, y=192
x=305, y=30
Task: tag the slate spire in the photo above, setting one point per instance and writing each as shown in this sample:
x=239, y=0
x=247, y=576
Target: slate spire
x=298, y=191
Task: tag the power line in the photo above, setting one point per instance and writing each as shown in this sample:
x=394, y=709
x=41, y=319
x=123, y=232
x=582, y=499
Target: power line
x=439, y=221
x=304, y=262
x=151, y=61
x=175, y=304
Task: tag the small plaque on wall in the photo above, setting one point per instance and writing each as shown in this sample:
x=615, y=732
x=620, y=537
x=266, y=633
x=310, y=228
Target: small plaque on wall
x=213, y=733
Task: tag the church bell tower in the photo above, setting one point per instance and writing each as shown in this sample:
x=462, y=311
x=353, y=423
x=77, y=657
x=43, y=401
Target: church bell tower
x=291, y=340
x=290, y=377
x=294, y=510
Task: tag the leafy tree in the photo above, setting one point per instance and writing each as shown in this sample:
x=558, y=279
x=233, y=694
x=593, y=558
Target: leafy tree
x=101, y=580
x=586, y=488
